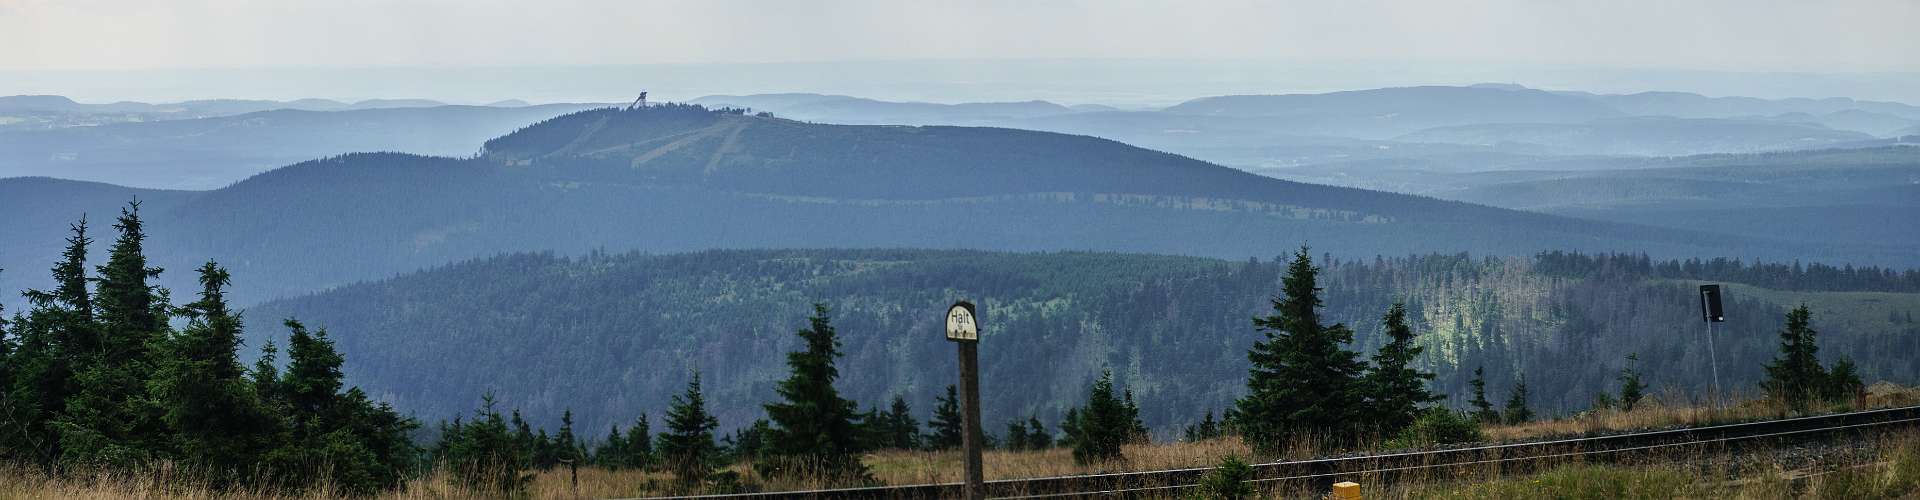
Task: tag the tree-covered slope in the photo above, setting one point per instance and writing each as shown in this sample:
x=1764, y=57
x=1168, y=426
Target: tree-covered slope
x=614, y=335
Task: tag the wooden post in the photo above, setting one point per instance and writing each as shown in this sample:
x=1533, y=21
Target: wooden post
x=963, y=329
x=573, y=468
x=971, y=438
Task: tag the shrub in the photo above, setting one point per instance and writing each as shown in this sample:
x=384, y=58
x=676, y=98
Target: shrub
x=1439, y=426
x=1227, y=481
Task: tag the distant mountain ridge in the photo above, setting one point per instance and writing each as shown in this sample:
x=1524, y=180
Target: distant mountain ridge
x=211, y=152
x=1643, y=136
x=1288, y=130
x=681, y=178
x=201, y=108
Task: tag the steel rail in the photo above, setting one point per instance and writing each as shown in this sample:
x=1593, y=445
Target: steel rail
x=1324, y=469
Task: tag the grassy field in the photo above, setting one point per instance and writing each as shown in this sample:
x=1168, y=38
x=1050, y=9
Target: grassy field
x=1889, y=468
x=1836, y=311
x=1894, y=468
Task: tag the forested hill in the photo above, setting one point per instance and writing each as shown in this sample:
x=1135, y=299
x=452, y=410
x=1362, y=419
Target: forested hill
x=760, y=154
x=611, y=336
x=683, y=178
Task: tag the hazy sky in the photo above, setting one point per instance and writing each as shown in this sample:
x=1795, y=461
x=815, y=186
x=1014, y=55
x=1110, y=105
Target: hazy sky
x=1737, y=35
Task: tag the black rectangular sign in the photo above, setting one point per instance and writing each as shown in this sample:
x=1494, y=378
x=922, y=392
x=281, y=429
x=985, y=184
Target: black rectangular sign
x=1710, y=304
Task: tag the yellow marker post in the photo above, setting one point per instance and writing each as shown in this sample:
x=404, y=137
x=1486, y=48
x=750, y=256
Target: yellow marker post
x=1346, y=490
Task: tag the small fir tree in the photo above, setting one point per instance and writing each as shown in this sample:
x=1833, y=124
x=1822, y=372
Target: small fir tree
x=1795, y=378
x=946, y=423
x=903, y=432
x=1632, y=389
x=814, y=428
x=1517, y=410
x=1037, y=436
x=1843, y=383
x=1482, y=408
x=687, y=447
x=1397, y=392
x=1099, y=429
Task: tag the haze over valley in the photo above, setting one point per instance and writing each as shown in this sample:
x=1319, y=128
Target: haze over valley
x=315, y=251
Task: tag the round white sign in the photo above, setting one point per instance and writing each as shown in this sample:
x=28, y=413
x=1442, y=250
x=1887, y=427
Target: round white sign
x=960, y=323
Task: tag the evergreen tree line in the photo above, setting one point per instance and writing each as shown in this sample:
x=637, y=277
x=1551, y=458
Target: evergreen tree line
x=811, y=431
x=95, y=375
x=1778, y=276
x=1305, y=387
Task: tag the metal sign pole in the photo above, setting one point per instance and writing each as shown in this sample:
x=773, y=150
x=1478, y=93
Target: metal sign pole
x=964, y=330
x=1710, y=313
x=1714, y=355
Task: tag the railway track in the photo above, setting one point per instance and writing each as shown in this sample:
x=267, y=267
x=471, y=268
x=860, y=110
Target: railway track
x=1388, y=467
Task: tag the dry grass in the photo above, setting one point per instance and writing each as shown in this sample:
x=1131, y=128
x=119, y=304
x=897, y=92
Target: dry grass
x=1671, y=410
x=1895, y=473
x=919, y=467
x=1890, y=468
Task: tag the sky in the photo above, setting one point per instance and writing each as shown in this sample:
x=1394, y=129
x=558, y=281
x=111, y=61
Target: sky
x=66, y=37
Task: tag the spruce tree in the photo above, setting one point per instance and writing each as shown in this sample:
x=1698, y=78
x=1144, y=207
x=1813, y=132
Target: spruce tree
x=1037, y=436
x=1070, y=429
x=747, y=442
x=132, y=312
x=265, y=375
x=1206, y=429
x=1632, y=389
x=215, y=416
x=537, y=453
x=813, y=427
x=369, y=448
x=485, y=456
x=1136, y=430
x=687, y=447
x=946, y=424
x=1795, y=378
x=903, y=432
x=1016, y=435
x=56, y=338
x=1397, y=392
x=1517, y=410
x=566, y=446
x=639, y=445
x=540, y=450
x=1482, y=408
x=1843, y=382
x=1099, y=429
x=357, y=445
x=1303, y=382
x=611, y=452
x=871, y=429
x=312, y=380
x=33, y=393
x=107, y=419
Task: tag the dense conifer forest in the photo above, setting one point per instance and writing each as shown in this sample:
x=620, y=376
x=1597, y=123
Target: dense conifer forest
x=97, y=374
x=1096, y=351
x=611, y=336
